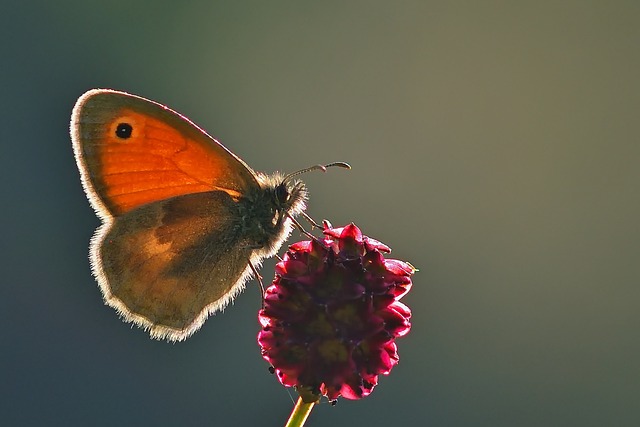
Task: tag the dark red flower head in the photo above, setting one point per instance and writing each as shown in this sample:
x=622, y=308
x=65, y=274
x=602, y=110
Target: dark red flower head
x=331, y=315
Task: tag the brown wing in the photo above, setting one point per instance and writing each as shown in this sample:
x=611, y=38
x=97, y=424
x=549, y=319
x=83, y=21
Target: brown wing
x=167, y=265
x=132, y=151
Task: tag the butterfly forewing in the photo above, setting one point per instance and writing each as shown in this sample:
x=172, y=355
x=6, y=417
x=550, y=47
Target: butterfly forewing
x=133, y=151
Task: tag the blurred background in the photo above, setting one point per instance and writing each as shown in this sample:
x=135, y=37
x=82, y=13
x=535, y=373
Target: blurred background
x=494, y=145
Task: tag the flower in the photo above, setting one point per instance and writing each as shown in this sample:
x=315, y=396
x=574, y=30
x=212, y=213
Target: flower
x=332, y=314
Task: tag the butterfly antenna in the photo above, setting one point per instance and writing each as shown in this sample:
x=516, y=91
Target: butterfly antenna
x=322, y=168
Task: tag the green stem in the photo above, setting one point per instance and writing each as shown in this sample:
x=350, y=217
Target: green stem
x=300, y=413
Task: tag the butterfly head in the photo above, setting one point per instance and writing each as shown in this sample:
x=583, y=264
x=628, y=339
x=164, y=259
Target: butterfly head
x=284, y=197
x=290, y=194
x=267, y=216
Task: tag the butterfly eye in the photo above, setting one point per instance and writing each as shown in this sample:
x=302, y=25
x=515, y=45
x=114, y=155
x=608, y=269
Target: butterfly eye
x=282, y=193
x=124, y=130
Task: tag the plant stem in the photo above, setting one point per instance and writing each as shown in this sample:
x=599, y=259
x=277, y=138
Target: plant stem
x=300, y=413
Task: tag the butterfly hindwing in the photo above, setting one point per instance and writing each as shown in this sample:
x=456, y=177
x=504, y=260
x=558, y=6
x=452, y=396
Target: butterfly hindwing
x=168, y=265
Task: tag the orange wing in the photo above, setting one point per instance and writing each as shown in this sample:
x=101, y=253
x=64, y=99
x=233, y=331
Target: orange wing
x=132, y=151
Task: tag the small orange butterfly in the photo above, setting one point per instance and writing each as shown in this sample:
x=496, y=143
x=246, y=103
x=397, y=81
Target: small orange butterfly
x=185, y=221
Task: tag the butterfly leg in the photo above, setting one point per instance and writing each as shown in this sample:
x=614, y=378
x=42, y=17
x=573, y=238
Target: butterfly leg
x=258, y=278
x=301, y=228
x=310, y=220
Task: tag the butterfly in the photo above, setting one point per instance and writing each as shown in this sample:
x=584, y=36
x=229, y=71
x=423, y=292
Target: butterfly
x=185, y=222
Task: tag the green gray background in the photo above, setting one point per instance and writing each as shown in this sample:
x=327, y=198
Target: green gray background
x=495, y=145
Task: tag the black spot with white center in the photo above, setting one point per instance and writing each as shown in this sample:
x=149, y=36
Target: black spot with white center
x=124, y=130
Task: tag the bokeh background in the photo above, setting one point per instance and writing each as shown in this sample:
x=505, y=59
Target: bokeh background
x=495, y=145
